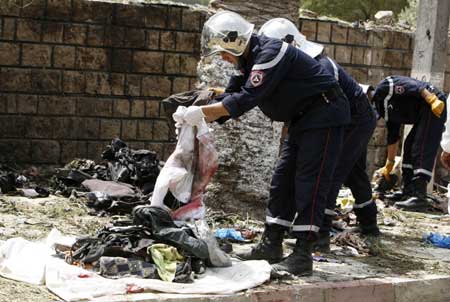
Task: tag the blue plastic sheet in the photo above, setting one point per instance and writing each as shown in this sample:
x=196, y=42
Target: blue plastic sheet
x=438, y=240
x=227, y=233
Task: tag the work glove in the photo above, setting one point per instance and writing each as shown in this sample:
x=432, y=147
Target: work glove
x=217, y=90
x=437, y=106
x=386, y=170
x=445, y=159
x=193, y=115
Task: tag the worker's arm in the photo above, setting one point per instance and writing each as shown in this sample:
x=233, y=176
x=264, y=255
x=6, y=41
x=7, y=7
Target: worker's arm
x=392, y=151
x=214, y=111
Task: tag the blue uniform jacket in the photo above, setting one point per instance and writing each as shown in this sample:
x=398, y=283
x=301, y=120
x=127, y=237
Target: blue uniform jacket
x=398, y=101
x=282, y=81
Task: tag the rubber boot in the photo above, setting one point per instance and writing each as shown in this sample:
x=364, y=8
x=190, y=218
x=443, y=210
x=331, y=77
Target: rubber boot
x=299, y=262
x=322, y=245
x=407, y=188
x=269, y=248
x=366, y=230
x=418, y=200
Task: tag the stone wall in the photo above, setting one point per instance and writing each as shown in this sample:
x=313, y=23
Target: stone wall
x=74, y=74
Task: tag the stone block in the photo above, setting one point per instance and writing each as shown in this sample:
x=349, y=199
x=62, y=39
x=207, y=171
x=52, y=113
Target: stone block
x=30, y=8
x=15, y=151
x=95, y=150
x=134, y=38
x=389, y=40
x=312, y=293
x=57, y=105
x=46, y=80
x=39, y=127
x=407, y=60
x=114, y=36
x=152, y=39
x=343, y=54
x=10, y=8
x=14, y=79
x=191, y=20
x=188, y=65
x=94, y=107
x=156, y=86
x=180, y=85
x=357, y=36
x=187, y=42
x=329, y=50
x=161, y=131
x=75, y=33
x=72, y=149
x=9, y=29
x=155, y=147
x=376, y=39
x=323, y=32
x=3, y=103
x=309, y=29
x=378, y=57
x=174, y=17
x=13, y=126
x=447, y=82
x=121, y=108
x=63, y=127
x=28, y=30
x=145, y=130
x=130, y=15
x=431, y=290
x=91, y=58
x=279, y=295
x=26, y=104
x=11, y=103
x=137, y=108
x=96, y=35
x=121, y=60
x=152, y=109
x=358, y=55
x=360, y=74
x=368, y=56
x=361, y=291
x=93, y=11
x=74, y=82
x=403, y=40
x=148, y=62
x=36, y=55
x=110, y=128
x=64, y=56
x=393, y=58
x=98, y=83
x=132, y=85
x=87, y=128
x=52, y=32
x=171, y=63
x=59, y=9
x=129, y=129
x=167, y=41
x=339, y=34
x=9, y=53
x=117, y=82
x=45, y=152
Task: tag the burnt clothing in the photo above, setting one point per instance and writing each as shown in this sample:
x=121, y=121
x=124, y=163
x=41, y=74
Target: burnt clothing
x=286, y=83
x=302, y=179
x=398, y=100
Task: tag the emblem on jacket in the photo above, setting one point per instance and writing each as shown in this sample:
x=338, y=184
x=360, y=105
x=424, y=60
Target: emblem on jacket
x=399, y=89
x=256, y=77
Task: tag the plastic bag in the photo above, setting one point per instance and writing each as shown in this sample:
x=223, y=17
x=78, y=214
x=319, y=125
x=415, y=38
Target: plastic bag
x=438, y=240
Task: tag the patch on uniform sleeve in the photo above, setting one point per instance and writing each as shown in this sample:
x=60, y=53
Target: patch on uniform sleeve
x=256, y=77
x=399, y=89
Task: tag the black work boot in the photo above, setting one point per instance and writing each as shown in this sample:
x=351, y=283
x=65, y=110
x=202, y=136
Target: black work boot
x=299, y=262
x=366, y=230
x=418, y=200
x=322, y=245
x=407, y=189
x=269, y=248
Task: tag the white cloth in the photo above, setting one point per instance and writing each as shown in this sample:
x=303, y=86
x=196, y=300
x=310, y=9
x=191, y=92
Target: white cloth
x=193, y=115
x=445, y=142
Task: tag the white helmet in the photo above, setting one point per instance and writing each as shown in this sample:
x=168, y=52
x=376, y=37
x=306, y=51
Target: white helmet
x=281, y=28
x=226, y=31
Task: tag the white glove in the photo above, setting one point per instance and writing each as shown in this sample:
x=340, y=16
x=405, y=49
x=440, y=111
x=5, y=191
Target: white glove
x=193, y=115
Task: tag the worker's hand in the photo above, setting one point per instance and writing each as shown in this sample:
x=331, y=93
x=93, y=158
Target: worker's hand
x=193, y=115
x=437, y=106
x=386, y=170
x=445, y=159
x=217, y=90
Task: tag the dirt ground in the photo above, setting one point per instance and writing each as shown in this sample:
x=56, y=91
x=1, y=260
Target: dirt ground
x=402, y=251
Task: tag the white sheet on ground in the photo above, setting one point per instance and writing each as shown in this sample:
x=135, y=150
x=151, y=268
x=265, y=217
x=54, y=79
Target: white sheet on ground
x=32, y=262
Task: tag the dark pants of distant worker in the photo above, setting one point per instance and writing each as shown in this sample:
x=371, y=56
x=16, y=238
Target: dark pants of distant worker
x=351, y=167
x=302, y=179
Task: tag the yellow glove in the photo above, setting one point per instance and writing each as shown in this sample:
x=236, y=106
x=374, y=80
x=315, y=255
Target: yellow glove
x=217, y=90
x=437, y=106
x=386, y=170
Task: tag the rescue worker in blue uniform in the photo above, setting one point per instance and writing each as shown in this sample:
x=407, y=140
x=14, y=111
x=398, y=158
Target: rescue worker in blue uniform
x=403, y=100
x=351, y=166
x=289, y=86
